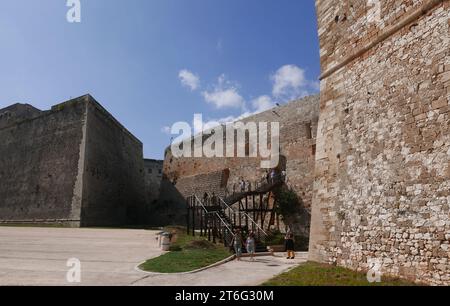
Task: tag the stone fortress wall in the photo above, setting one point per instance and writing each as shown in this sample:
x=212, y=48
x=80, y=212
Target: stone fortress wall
x=153, y=177
x=39, y=155
x=74, y=165
x=382, y=178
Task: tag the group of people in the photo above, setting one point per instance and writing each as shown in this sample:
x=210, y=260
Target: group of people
x=272, y=175
x=238, y=243
x=250, y=244
x=243, y=185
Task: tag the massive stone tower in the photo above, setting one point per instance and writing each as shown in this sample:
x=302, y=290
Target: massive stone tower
x=74, y=165
x=382, y=186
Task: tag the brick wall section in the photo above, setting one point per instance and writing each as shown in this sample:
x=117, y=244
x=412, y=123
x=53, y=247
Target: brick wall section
x=198, y=184
x=383, y=146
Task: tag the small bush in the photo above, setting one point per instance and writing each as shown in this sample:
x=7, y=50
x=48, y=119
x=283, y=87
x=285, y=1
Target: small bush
x=289, y=205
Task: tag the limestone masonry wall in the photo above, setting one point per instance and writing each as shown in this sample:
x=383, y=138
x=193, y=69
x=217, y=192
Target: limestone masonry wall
x=211, y=182
x=74, y=165
x=382, y=178
x=153, y=177
x=39, y=164
x=114, y=192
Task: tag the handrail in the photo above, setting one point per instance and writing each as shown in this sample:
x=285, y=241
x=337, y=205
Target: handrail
x=201, y=204
x=220, y=198
x=245, y=214
x=224, y=223
x=259, y=185
x=204, y=208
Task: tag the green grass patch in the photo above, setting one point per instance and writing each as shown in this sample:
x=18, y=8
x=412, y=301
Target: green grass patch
x=187, y=254
x=316, y=274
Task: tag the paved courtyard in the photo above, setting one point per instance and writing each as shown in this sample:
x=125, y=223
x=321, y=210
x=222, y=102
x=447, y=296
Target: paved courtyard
x=38, y=256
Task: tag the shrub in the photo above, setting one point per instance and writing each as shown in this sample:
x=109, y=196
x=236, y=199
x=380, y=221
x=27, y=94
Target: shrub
x=289, y=206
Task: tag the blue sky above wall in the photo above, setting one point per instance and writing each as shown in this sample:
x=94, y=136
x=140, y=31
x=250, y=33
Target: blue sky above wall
x=152, y=63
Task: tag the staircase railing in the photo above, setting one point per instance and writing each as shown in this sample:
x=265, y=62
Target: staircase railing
x=235, y=219
x=259, y=232
x=261, y=185
x=224, y=230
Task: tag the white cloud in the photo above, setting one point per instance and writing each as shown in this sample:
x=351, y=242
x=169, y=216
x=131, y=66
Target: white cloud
x=262, y=104
x=224, y=98
x=290, y=82
x=166, y=130
x=225, y=94
x=211, y=123
x=189, y=79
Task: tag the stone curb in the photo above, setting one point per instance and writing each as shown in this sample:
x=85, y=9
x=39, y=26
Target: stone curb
x=232, y=257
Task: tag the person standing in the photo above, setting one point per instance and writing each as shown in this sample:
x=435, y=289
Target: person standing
x=272, y=176
x=290, y=245
x=237, y=244
x=251, y=246
x=284, y=176
x=214, y=199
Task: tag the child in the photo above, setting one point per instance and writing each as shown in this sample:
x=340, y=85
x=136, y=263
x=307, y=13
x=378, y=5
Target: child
x=290, y=245
x=251, y=246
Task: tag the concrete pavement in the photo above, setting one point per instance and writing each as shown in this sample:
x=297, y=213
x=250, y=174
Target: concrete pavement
x=233, y=273
x=38, y=256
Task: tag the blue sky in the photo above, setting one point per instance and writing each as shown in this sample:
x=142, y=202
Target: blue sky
x=152, y=63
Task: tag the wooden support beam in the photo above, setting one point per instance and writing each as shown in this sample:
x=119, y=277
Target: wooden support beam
x=193, y=218
x=261, y=202
x=201, y=222
x=188, y=206
x=240, y=214
x=208, y=227
x=214, y=229
x=254, y=212
x=246, y=208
